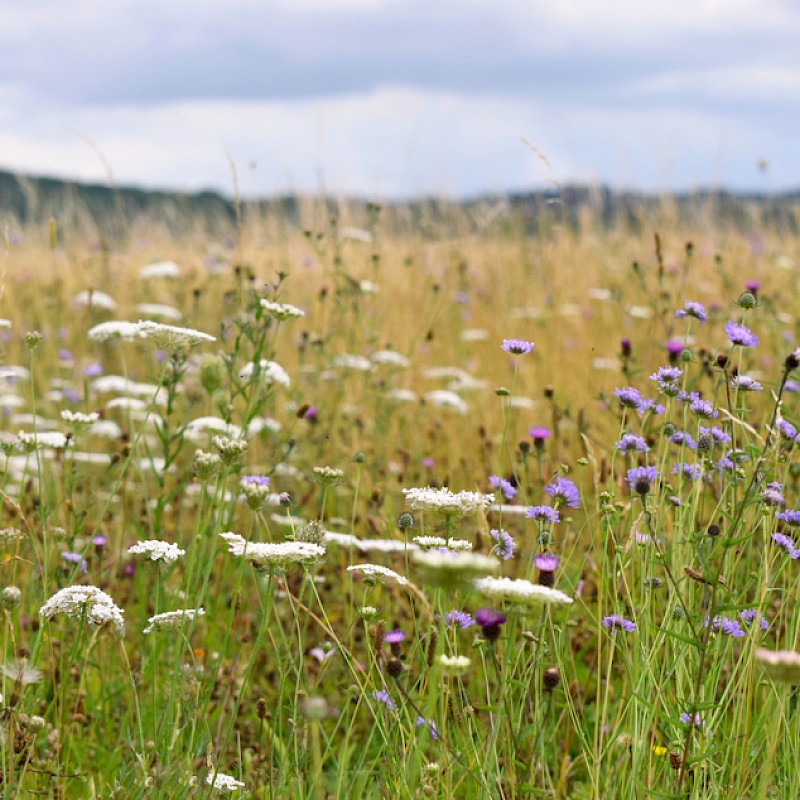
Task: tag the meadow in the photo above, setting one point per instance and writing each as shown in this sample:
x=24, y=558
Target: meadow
x=331, y=512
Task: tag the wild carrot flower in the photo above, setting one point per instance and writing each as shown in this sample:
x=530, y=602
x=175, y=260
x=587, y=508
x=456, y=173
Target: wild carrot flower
x=449, y=504
x=225, y=784
x=172, y=619
x=85, y=602
x=520, y=592
x=379, y=573
x=453, y=665
x=281, y=311
x=450, y=569
x=273, y=555
x=157, y=550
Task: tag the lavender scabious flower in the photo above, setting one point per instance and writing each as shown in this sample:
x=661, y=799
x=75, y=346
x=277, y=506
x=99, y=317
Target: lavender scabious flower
x=729, y=627
x=640, y=479
x=458, y=619
x=717, y=434
x=667, y=380
x=504, y=545
x=616, y=622
x=431, y=727
x=76, y=558
x=518, y=347
x=256, y=480
x=683, y=438
x=790, y=516
x=382, y=696
x=694, y=472
x=703, y=408
x=788, y=431
x=687, y=719
x=629, y=441
x=692, y=309
x=506, y=487
x=543, y=514
x=740, y=334
x=564, y=491
x=629, y=397
x=748, y=616
x=648, y=404
x=773, y=495
x=744, y=383
x=784, y=541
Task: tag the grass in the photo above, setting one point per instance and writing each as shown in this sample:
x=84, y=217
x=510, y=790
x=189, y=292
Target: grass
x=305, y=679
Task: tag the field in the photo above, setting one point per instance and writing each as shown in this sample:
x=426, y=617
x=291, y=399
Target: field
x=333, y=512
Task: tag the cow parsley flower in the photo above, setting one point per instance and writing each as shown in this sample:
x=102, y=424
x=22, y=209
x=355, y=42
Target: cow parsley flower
x=451, y=570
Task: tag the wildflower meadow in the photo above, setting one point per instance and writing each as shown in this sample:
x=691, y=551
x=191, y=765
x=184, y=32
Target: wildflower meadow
x=340, y=513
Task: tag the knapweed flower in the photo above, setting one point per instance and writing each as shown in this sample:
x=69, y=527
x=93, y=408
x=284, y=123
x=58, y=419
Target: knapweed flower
x=225, y=784
x=273, y=555
x=504, y=545
x=520, y=592
x=616, y=622
x=87, y=603
x=744, y=383
x=740, y=334
x=546, y=563
x=674, y=349
x=506, y=487
x=631, y=442
x=544, y=514
x=519, y=347
x=564, y=491
x=692, y=309
x=458, y=619
x=449, y=504
x=157, y=550
x=490, y=622
x=780, y=665
x=172, y=619
x=394, y=636
x=641, y=479
x=629, y=397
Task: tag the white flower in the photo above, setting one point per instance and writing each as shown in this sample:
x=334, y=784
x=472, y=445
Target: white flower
x=9, y=535
x=780, y=665
x=282, y=311
x=172, y=619
x=171, y=337
x=369, y=545
x=269, y=371
x=379, y=573
x=40, y=439
x=224, y=783
x=458, y=544
x=430, y=541
x=367, y=287
x=521, y=592
x=273, y=554
x=350, y=361
x=95, y=299
x=391, y=358
x=443, y=501
x=202, y=424
x=453, y=665
x=85, y=602
x=451, y=569
x=474, y=335
x=443, y=398
x=355, y=235
x=78, y=419
x=116, y=329
x=6, y=324
x=159, y=310
x=106, y=428
x=402, y=395
x=157, y=550
x=160, y=269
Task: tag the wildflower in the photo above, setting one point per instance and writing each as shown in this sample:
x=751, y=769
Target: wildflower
x=518, y=347
x=172, y=619
x=674, y=349
x=787, y=430
x=351, y=361
x=10, y=598
x=226, y=784
x=684, y=439
x=688, y=719
x=744, y=383
x=10, y=535
x=157, y=550
x=640, y=479
x=780, y=665
x=490, y=622
x=458, y=619
x=394, y=636
x=441, y=398
x=230, y=450
x=376, y=572
x=85, y=602
x=255, y=491
x=449, y=504
x=773, y=495
x=784, y=541
x=281, y=311
x=172, y=337
x=539, y=433
x=390, y=358
x=692, y=309
x=79, y=420
x=544, y=514
x=504, y=545
x=729, y=627
x=717, y=434
x=450, y=570
x=667, y=379
x=564, y=491
x=431, y=727
x=629, y=397
x=506, y=487
x=21, y=672
x=273, y=555
x=693, y=472
x=546, y=563
x=268, y=371
x=616, y=622
x=327, y=476
x=160, y=269
x=43, y=439
x=382, y=696
x=790, y=517
x=740, y=334
x=703, y=408
x=749, y=615
x=631, y=442
x=521, y=592
x=76, y=558
x=453, y=665
x=206, y=465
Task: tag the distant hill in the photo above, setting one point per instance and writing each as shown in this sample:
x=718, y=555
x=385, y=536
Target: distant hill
x=119, y=211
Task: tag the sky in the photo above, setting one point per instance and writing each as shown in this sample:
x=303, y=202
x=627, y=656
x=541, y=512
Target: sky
x=401, y=98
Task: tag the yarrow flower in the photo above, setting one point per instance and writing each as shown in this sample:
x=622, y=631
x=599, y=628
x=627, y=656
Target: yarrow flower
x=157, y=550
x=640, y=479
x=172, y=619
x=506, y=487
x=564, y=491
x=631, y=442
x=85, y=602
x=740, y=334
x=616, y=622
x=504, y=545
x=543, y=514
x=518, y=347
x=692, y=309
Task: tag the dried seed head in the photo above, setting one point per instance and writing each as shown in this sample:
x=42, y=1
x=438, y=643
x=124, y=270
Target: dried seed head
x=378, y=634
x=551, y=678
x=394, y=667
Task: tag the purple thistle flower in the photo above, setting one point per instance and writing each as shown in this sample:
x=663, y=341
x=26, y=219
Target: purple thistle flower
x=629, y=397
x=505, y=545
x=490, y=622
x=546, y=562
x=740, y=334
x=458, y=619
x=692, y=309
x=519, y=347
x=394, y=636
x=752, y=286
x=674, y=349
x=543, y=514
x=539, y=432
x=506, y=487
x=640, y=479
x=99, y=541
x=616, y=622
x=382, y=696
x=428, y=463
x=564, y=491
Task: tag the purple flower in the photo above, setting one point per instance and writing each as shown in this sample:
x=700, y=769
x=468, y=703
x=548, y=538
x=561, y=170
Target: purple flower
x=382, y=696
x=740, y=334
x=625, y=347
x=730, y=627
x=788, y=431
x=564, y=491
x=640, y=479
x=93, y=370
x=431, y=727
x=703, y=408
x=784, y=541
x=717, y=434
x=773, y=495
x=504, y=545
x=683, y=438
x=257, y=480
x=99, y=541
x=744, y=383
x=458, y=619
x=543, y=514
x=748, y=616
x=629, y=397
x=506, y=487
x=394, y=637
x=616, y=622
x=630, y=441
x=65, y=356
x=311, y=414
x=519, y=347
x=428, y=463
x=789, y=516
x=667, y=378
x=692, y=309
x=752, y=286
x=674, y=349
x=546, y=562
x=538, y=432
x=686, y=719
x=694, y=472
x=76, y=558
x=650, y=405
x=490, y=622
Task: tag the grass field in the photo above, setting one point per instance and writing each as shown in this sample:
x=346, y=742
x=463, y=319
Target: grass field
x=222, y=574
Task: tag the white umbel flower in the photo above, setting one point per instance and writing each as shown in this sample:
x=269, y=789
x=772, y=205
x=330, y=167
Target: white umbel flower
x=172, y=337
x=268, y=555
x=390, y=358
x=450, y=569
x=160, y=269
x=780, y=665
x=172, y=619
x=402, y=396
x=116, y=329
x=444, y=398
x=282, y=311
x=157, y=550
x=225, y=784
x=95, y=299
x=79, y=419
x=379, y=573
x=449, y=504
x=351, y=361
x=10, y=535
x=521, y=592
x=85, y=602
x=453, y=665
x=160, y=311
x=268, y=371
x=40, y=439
x=197, y=427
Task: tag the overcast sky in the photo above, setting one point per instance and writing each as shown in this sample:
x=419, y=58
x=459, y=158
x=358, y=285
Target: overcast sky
x=402, y=97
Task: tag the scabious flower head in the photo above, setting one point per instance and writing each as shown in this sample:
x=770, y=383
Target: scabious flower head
x=729, y=627
x=616, y=622
x=740, y=334
x=692, y=309
x=382, y=696
x=744, y=383
x=504, y=544
x=688, y=719
x=564, y=491
x=506, y=487
x=703, y=408
x=544, y=514
x=667, y=380
x=788, y=431
x=640, y=479
x=773, y=495
x=458, y=619
x=749, y=615
x=518, y=347
x=784, y=541
x=629, y=397
x=631, y=442
x=157, y=550
x=790, y=517
x=717, y=434
x=684, y=439
x=85, y=602
x=76, y=558
x=693, y=472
